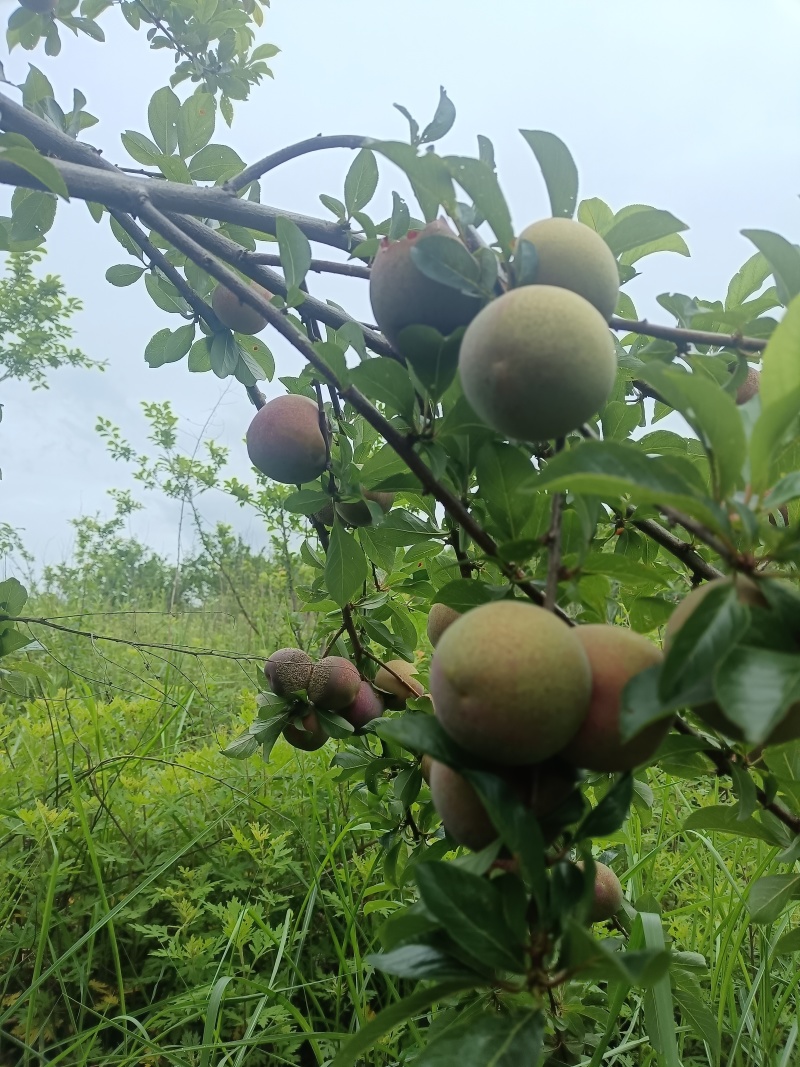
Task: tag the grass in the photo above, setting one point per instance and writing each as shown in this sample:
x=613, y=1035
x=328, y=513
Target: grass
x=160, y=904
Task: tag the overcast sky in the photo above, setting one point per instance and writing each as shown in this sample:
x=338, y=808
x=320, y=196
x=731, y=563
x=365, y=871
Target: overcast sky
x=690, y=105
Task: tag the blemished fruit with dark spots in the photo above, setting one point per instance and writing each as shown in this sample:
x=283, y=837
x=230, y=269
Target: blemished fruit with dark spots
x=288, y=671
x=537, y=362
x=285, y=442
x=439, y=618
x=398, y=690
x=401, y=295
x=616, y=655
x=574, y=256
x=235, y=314
x=749, y=387
x=334, y=683
x=367, y=705
x=358, y=514
x=312, y=735
x=608, y=895
x=510, y=682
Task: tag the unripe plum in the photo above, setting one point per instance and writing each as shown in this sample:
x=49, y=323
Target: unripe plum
x=235, y=314
x=366, y=706
x=401, y=295
x=311, y=737
x=358, y=514
x=397, y=692
x=574, y=256
x=285, y=442
x=510, y=682
x=537, y=362
x=439, y=618
x=288, y=671
x=616, y=655
x=749, y=387
x=334, y=683
x=608, y=895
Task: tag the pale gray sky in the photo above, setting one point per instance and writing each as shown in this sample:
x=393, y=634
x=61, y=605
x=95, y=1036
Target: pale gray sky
x=690, y=105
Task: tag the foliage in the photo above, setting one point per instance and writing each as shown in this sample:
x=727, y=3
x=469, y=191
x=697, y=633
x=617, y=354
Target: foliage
x=613, y=523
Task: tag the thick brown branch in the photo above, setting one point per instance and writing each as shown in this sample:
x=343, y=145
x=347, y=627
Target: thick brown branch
x=687, y=337
x=682, y=550
x=292, y=151
x=724, y=769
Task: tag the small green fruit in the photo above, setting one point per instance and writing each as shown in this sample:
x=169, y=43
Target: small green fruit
x=358, y=514
x=235, y=314
x=537, y=362
x=288, y=671
x=575, y=257
x=510, y=682
x=285, y=442
x=608, y=895
x=439, y=618
x=334, y=683
x=401, y=295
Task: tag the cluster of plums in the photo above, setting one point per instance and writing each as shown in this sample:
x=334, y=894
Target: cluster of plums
x=334, y=684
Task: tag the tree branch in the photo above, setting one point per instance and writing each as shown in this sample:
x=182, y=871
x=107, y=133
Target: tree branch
x=724, y=769
x=319, y=266
x=682, y=550
x=292, y=151
x=686, y=337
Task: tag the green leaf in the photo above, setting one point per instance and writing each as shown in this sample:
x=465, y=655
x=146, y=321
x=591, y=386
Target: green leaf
x=510, y=1039
x=713, y=415
x=502, y=471
x=215, y=163
x=724, y=819
x=195, y=123
x=407, y=1008
x=659, y=1008
x=442, y=121
x=422, y=962
x=295, y=251
x=224, y=354
x=141, y=148
x=36, y=164
x=698, y=1015
x=788, y=943
x=707, y=636
x=429, y=176
x=13, y=597
x=124, y=274
x=597, y=214
x=168, y=346
x=782, y=256
x=448, y=262
x=463, y=594
x=257, y=357
x=480, y=183
x=769, y=896
x=641, y=227
x=433, y=358
x=470, y=909
x=360, y=182
x=345, y=566
x=162, y=117
x=613, y=469
x=200, y=356
x=401, y=218
x=525, y=263
x=385, y=470
x=612, y=811
x=755, y=687
x=164, y=294
x=387, y=381
x=779, y=392
x=558, y=170
x=12, y=641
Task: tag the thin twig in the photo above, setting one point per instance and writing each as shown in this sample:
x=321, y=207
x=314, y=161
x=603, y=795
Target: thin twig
x=319, y=266
x=553, y=542
x=292, y=151
x=682, y=550
x=685, y=337
x=724, y=769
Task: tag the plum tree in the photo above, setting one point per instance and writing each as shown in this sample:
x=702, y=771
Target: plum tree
x=285, y=442
x=288, y=671
x=365, y=706
x=615, y=656
x=439, y=618
x=510, y=682
x=537, y=362
x=573, y=256
x=401, y=295
x=334, y=683
x=608, y=894
x=235, y=314
x=309, y=736
x=358, y=514
x=397, y=690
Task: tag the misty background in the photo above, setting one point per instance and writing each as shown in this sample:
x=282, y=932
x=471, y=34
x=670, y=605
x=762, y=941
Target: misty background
x=686, y=106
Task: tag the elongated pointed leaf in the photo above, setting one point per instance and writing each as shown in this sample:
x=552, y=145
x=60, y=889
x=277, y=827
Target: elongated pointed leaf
x=558, y=170
x=345, y=566
x=641, y=227
x=779, y=391
x=480, y=182
x=510, y=1039
x=782, y=256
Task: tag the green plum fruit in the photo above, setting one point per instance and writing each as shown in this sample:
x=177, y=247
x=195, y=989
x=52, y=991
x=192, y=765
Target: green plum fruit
x=439, y=618
x=235, y=314
x=397, y=690
x=358, y=514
